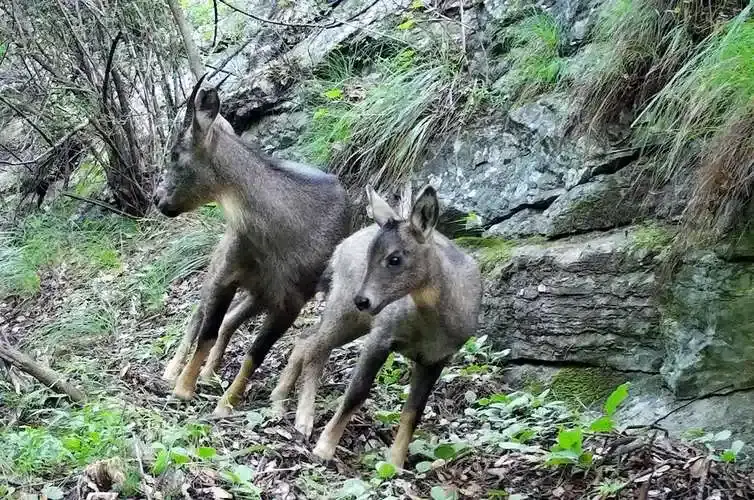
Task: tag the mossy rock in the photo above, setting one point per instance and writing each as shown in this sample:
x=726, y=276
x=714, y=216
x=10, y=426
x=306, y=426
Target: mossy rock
x=489, y=252
x=583, y=387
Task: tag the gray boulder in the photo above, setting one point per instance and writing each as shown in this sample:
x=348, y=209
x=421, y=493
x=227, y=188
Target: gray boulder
x=708, y=327
x=586, y=300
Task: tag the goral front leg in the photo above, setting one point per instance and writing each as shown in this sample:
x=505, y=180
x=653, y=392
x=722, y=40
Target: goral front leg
x=372, y=357
x=215, y=303
x=275, y=325
x=173, y=368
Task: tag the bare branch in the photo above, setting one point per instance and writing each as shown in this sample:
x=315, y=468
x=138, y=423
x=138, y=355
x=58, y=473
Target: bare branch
x=102, y=204
x=76, y=130
x=195, y=62
x=108, y=67
x=331, y=25
x=27, y=119
x=47, y=376
x=214, y=33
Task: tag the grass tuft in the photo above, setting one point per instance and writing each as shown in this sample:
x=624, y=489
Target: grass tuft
x=704, y=116
x=80, y=326
x=47, y=240
x=377, y=129
x=637, y=45
x=180, y=259
x=534, y=45
x=488, y=251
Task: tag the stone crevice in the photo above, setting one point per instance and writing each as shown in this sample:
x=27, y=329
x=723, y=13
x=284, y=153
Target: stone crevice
x=524, y=361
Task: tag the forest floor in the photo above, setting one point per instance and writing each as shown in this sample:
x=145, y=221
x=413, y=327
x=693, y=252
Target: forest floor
x=105, y=302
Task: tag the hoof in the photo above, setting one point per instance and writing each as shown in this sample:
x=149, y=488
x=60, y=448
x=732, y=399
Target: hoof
x=278, y=409
x=223, y=409
x=207, y=375
x=183, y=393
x=170, y=375
x=324, y=451
x=305, y=426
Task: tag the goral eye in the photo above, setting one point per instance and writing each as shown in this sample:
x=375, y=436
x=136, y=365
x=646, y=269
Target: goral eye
x=393, y=261
x=174, y=156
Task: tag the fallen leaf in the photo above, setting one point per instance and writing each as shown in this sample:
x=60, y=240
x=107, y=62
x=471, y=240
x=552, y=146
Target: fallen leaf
x=218, y=493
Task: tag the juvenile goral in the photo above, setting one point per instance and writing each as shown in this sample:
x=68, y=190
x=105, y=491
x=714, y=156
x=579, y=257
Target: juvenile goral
x=413, y=291
x=283, y=222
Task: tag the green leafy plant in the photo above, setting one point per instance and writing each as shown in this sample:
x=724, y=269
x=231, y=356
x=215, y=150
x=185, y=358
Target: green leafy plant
x=407, y=23
x=240, y=478
x=385, y=470
x=610, y=488
x=392, y=371
x=569, y=449
x=334, y=94
x=710, y=441
x=606, y=422
x=70, y=439
x=440, y=493
x=387, y=417
x=353, y=488
x=730, y=455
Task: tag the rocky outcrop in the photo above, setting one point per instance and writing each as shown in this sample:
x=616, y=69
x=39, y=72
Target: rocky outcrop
x=708, y=326
x=586, y=300
x=269, y=79
x=588, y=280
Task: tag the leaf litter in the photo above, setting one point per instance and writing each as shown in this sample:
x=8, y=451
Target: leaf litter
x=478, y=438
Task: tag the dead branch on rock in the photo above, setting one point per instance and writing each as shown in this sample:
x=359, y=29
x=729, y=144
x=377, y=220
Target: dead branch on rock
x=47, y=376
x=331, y=25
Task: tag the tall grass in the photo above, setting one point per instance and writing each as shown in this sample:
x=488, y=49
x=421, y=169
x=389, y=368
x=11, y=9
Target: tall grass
x=705, y=115
x=637, y=45
x=46, y=240
x=182, y=257
x=533, y=53
x=379, y=131
x=79, y=326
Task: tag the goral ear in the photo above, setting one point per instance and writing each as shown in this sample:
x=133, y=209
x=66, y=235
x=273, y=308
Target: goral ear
x=380, y=210
x=425, y=212
x=206, y=109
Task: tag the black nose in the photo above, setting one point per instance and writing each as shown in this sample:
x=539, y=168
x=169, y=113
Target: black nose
x=155, y=199
x=362, y=303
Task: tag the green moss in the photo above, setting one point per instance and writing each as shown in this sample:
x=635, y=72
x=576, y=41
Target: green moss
x=533, y=385
x=489, y=251
x=581, y=387
x=653, y=237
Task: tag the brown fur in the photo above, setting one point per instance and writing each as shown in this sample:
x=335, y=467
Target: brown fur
x=283, y=221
